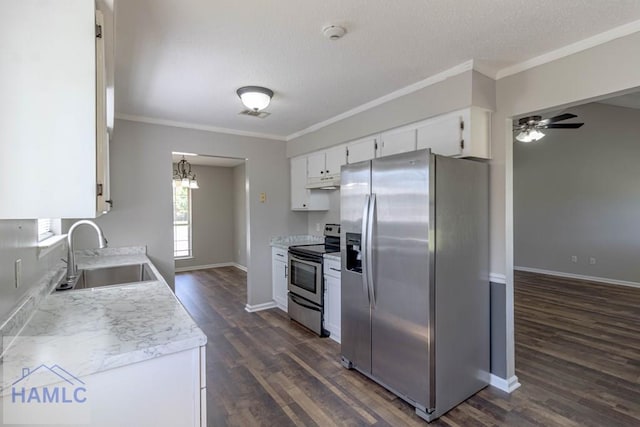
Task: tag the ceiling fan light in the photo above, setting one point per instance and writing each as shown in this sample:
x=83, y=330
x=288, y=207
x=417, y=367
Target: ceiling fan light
x=524, y=136
x=255, y=98
x=536, y=135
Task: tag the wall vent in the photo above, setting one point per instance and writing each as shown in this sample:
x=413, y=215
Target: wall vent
x=258, y=114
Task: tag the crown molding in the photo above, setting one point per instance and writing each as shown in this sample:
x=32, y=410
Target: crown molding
x=436, y=78
x=195, y=126
x=579, y=46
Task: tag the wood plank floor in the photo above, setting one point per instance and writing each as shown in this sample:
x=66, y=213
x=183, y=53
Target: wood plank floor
x=577, y=357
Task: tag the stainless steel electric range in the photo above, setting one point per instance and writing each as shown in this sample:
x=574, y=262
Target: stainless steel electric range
x=306, y=284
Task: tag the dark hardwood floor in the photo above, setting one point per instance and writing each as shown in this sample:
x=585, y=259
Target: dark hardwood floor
x=577, y=357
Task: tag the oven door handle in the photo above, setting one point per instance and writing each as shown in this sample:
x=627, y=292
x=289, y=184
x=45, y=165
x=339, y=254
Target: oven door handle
x=295, y=299
x=307, y=259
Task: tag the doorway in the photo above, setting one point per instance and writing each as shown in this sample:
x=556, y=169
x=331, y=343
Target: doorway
x=209, y=212
x=576, y=278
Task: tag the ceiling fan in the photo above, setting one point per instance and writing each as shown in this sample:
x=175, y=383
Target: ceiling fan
x=529, y=127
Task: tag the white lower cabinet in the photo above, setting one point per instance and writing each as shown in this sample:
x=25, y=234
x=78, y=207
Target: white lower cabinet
x=279, y=276
x=332, y=305
x=165, y=391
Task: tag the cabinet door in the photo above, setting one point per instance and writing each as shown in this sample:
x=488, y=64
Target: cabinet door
x=332, y=306
x=397, y=142
x=364, y=149
x=299, y=193
x=443, y=135
x=279, y=279
x=335, y=158
x=316, y=165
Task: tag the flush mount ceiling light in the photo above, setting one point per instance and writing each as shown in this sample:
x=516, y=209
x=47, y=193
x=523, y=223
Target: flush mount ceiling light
x=255, y=98
x=183, y=177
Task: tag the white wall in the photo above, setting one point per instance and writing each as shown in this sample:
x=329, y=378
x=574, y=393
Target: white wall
x=18, y=240
x=141, y=190
x=212, y=215
x=240, y=215
x=576, y=193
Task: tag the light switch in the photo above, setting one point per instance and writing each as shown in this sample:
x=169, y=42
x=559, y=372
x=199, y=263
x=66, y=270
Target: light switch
x=263, y=197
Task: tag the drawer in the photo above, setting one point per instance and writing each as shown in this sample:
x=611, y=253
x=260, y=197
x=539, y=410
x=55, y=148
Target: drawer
x=279, y=254
x=332, y=268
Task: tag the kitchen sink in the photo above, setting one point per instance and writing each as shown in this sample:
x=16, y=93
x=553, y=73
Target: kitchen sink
x=106, y=276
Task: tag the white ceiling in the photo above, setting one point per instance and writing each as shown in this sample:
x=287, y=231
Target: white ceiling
x=183, y=60
x=224, y=162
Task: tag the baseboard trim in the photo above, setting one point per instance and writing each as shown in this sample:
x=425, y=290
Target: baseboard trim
x=509, y=385
x=260, y=307
x=579, y=277
x=498, y=278
x=207, y=266
x=240, y=267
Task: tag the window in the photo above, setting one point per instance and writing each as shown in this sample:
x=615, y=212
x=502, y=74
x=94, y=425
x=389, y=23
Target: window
x=45, y=229
x=181, y=222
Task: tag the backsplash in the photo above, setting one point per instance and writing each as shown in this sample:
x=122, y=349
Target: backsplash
x=18, y=240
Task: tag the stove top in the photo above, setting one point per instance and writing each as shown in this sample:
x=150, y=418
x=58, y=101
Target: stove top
x=317, y=250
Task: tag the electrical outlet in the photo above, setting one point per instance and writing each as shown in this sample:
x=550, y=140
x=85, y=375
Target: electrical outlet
x=317, y=226
x=574, y=258
x=18, y=272
x=592, y=261
x=263, y=197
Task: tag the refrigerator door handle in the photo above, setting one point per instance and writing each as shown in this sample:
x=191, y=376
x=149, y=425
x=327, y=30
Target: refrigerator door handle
x=363, y=248
x=369, y=250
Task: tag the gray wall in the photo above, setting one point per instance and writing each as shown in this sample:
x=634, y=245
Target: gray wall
x=332, y=216
x=141, y=190
x=18, y=240
x=240, y=215
x=212, y=215
x=576, y=193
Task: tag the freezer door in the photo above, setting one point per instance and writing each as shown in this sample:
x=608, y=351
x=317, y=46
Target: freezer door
x=356, y=320
x=402, y=300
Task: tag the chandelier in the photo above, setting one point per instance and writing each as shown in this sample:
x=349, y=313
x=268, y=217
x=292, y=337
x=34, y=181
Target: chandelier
x=182, y=175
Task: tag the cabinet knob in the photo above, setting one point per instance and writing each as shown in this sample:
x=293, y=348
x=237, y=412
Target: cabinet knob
x=327, y=170
x=304, y=205
x=321, y=172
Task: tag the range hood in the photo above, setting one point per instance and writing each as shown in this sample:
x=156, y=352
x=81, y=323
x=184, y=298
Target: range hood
x=324, y=183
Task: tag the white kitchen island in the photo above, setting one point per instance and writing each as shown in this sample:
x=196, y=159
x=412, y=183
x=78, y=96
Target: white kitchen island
x=131, y=353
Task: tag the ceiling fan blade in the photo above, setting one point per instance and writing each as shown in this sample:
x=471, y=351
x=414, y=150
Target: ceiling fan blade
x=563, y=126
x=559, y=118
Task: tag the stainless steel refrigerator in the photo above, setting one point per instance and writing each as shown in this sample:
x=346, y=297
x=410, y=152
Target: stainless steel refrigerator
x=415, y=276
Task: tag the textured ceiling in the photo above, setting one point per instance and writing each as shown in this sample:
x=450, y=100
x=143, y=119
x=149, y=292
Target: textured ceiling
x=183, y=60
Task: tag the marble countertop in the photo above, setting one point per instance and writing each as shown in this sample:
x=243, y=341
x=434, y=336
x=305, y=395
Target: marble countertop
x=92, y=330
x=283, y=242
x=335, y=256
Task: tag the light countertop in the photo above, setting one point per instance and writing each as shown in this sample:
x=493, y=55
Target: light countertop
x=283, y=242
x=92, y=330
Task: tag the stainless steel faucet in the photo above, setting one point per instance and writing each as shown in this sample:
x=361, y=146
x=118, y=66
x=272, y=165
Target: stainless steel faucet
x=72, y=271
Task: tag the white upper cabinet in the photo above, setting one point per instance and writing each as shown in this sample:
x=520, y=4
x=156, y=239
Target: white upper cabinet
x=335, y=158
x=302, y=198
x=324, y=167
x=464, y=133
x=360, y=150
x=397, y=141
x=54, y=108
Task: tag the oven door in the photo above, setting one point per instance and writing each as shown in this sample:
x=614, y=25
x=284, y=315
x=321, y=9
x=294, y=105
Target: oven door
x=305, y=277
